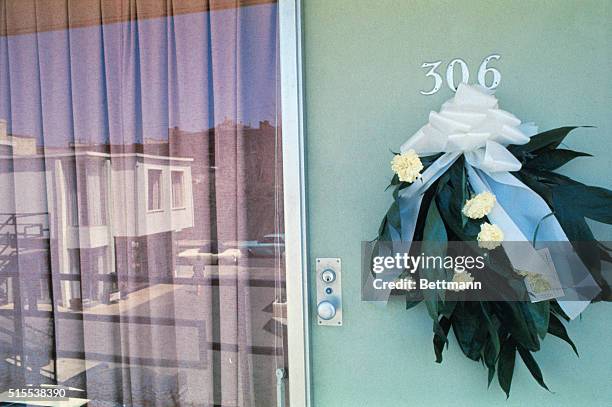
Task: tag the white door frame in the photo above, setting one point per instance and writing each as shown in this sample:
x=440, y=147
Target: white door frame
x=292, y=127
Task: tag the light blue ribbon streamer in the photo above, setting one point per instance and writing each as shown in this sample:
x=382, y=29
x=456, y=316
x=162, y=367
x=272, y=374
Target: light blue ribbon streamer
x=526, y=210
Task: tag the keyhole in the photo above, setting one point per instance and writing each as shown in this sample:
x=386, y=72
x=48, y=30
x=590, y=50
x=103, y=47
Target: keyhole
x=328, y=275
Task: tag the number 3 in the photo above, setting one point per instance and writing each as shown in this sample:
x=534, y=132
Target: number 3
x=432, y=72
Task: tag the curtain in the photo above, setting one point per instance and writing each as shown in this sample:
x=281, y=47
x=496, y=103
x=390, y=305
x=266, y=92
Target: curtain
x=139, y=175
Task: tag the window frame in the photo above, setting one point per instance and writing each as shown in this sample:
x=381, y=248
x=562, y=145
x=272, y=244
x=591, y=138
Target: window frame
x=291, y=94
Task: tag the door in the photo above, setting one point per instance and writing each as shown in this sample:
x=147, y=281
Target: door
x=363, y=81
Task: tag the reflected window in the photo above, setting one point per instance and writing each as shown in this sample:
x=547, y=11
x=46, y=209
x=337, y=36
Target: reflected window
x=178, y=190
x=154, y=191
x=95, y=198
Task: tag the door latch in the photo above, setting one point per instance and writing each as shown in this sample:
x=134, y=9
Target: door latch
x=329, y=291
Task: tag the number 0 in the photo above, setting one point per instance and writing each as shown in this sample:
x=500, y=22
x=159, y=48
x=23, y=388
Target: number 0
x=450, y=73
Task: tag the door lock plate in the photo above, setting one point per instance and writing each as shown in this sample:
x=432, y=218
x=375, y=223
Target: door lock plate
x=329, y=291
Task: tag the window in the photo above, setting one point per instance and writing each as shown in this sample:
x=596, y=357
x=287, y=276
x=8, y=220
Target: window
x=191, y=160
x=72, y=201
x=95, y=190
x=154, y=202
x=178, y=190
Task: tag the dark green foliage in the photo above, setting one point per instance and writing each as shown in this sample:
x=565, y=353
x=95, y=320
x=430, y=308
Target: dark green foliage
x=494, y=332
x=556, y=328
x=553, y=159
x=505, y=365
x=441, y=337
x=532, y=365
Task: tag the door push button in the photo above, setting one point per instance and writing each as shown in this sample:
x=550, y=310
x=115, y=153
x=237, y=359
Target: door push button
x=329, y=291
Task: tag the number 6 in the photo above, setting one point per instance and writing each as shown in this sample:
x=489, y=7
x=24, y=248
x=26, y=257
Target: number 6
x=483, y=70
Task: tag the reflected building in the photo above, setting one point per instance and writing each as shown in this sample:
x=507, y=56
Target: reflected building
x=87, y=210
x=111, y=218
x=116, y=238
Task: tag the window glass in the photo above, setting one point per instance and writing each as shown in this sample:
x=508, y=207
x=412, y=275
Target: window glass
x=154, y=188
x=178, y=189
x=141, y=140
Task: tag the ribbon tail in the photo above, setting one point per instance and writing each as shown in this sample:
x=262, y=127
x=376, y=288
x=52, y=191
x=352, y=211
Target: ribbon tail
x=523, y=256
x=529, y=212
x=409, y=200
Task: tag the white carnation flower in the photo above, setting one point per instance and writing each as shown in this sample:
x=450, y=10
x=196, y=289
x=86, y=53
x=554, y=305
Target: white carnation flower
x=490, y=236
x=407, y=166
x=464, y=277
x=479, y=206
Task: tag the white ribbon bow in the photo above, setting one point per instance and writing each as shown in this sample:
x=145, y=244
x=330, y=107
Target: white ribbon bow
x=473, y=124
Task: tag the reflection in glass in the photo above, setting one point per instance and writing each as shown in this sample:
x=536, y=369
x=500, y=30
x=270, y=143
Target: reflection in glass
x=141, y=226
x=178, y=194
x=154, y=189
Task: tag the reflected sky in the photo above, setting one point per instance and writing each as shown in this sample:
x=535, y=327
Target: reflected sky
x=129, y=81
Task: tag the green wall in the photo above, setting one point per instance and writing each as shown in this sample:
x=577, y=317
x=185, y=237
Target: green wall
x=362, y=81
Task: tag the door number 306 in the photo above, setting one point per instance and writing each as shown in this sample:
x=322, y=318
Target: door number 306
x=490, y=81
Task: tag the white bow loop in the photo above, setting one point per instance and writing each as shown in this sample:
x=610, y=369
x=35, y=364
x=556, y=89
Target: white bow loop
x=471, y=123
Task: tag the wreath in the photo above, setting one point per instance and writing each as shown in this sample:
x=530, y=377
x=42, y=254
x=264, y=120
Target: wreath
x=475, y=173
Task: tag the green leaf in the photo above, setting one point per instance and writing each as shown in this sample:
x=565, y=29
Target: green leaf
x=434, y=228
x=460, y=191
x=490, y=376
x=556, y=328
x=591, y=202
x=573, y=222
x=532, y=365
x=553, y=159
x=530, y=178
x=557, y=311
x=441, y=338
x=430, y=159
x=505, y=365
x=470, y=328
x=539, y=313
x=580, y=236
x=492, y=347
x=493, y=325
x=517, y=318
x=489, y=356
x=549, y=139
x=447, y=308
x=451, y=196
x=434, y=244
x=394, y=181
